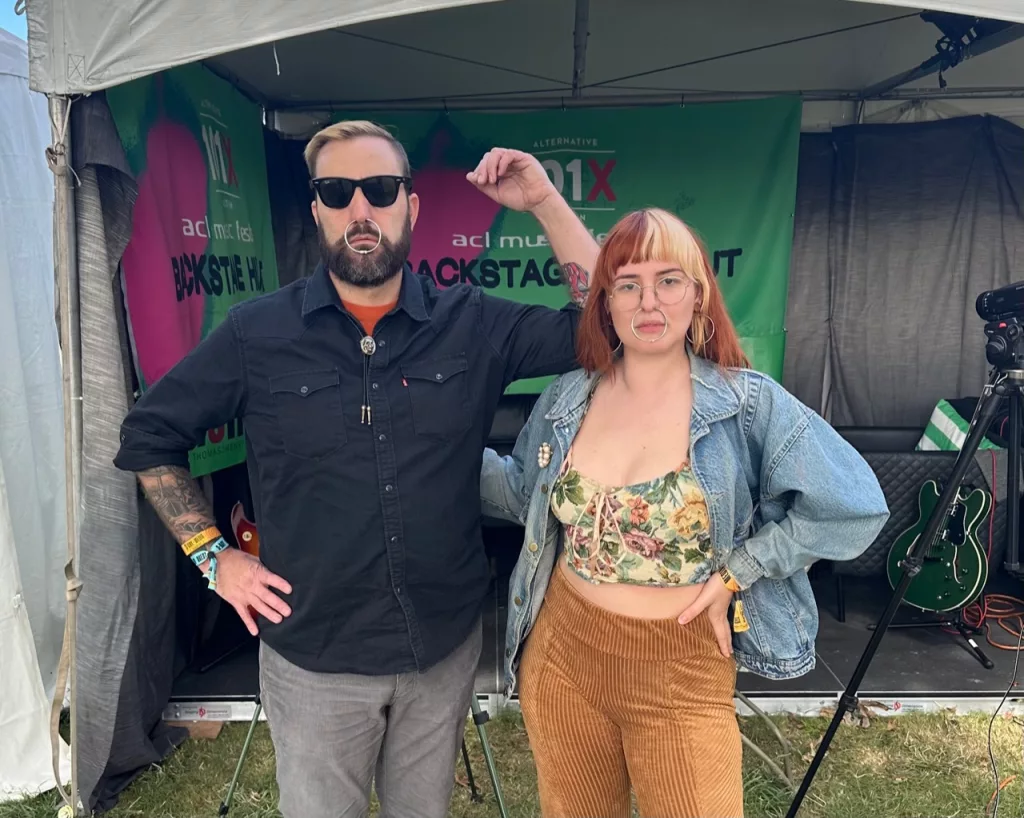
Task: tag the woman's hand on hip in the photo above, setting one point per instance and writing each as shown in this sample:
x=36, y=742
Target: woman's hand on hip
x=714, y=598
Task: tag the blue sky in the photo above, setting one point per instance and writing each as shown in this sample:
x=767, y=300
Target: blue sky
x=11, y=21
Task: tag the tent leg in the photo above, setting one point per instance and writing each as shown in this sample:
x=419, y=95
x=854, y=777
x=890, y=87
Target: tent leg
x=225, y=805
x=579, y=46
x=58, y=156
x=480, y=719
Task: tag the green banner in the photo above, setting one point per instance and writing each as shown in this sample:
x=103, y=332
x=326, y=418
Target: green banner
x=201, y=232
x=728, y=169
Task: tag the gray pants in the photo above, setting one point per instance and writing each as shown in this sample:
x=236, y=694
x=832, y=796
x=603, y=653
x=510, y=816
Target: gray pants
x=334, y=733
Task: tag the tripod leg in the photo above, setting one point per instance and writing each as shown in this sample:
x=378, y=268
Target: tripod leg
x=474, y=793
x=226, y=803
x=910, y=566
x=480, y=719
x=975, y=649
x=1012, y=558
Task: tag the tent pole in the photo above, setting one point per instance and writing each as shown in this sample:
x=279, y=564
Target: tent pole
x=579, y=46
x=58, y=157
x=938, y=63
x=323, y=110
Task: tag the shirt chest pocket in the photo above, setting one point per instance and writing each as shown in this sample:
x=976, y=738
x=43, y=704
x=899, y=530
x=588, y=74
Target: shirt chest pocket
x=438, y=395
x=307, y=408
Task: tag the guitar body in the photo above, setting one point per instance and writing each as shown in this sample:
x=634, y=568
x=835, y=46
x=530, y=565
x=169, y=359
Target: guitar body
x=953, y=574
x=246, y=535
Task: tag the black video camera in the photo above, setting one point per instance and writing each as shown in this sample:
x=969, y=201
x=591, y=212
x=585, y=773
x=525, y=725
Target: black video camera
x=1003, y=310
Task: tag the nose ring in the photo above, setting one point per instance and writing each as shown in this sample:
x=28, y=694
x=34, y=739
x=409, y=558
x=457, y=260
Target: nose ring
x=664, y=327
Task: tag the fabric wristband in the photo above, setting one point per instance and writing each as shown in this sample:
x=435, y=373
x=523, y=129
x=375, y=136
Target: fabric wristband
x=191, y=545
x=729, y=579
x=205, y=553
x=211, y=575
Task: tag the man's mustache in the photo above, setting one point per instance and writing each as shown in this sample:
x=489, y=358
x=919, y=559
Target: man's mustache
x=362, y=230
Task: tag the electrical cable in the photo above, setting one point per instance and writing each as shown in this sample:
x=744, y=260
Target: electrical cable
x=992, y=721
x=978, y=616
x=752, y=50
x=564, y=85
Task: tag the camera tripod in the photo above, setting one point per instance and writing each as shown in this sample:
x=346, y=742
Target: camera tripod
x=480, y=718
x=1003, y=383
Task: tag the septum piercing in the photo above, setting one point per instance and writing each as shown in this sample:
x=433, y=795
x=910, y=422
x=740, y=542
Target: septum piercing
x=380, y=237
x=664, y=327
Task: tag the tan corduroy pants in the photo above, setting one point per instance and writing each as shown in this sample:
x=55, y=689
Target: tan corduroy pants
x=612, y=701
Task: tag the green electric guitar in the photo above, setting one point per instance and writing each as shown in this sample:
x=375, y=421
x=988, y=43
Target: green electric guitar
x=955, y=569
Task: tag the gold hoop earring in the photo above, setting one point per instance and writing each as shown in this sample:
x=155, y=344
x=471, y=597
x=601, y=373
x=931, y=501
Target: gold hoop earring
x=704, y=341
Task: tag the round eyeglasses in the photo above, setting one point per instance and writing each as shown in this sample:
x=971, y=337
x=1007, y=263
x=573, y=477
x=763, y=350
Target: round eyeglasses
x=627, y=295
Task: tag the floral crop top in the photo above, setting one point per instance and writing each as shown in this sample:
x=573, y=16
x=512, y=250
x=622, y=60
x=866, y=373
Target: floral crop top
x=650, y=533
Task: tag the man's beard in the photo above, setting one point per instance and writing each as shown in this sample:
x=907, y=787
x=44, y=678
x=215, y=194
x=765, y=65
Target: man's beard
x=372, y=269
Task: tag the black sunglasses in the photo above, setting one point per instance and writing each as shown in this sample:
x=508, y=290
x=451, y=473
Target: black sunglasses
x=380, y=191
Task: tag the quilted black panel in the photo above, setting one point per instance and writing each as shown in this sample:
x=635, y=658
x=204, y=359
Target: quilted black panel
x=509, y=419
x=900, y=475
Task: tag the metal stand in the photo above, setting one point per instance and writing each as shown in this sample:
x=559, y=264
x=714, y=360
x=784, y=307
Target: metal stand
x=968, y=632
x=480, y=718
x=58, y=157
x=1002, y=383
x=226, y=803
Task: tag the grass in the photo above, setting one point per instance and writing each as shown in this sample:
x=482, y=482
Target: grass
x=899, y=767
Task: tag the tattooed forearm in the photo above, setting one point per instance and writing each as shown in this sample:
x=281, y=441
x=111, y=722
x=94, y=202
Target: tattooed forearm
x=178, y=500
x=578, y=280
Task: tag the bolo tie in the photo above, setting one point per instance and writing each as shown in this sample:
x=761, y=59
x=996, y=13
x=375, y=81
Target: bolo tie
x=368, y=346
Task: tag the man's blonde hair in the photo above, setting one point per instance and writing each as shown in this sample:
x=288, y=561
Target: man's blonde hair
x=351, y=129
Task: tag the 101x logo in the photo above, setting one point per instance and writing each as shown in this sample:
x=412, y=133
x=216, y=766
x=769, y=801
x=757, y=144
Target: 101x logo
x=598, y=177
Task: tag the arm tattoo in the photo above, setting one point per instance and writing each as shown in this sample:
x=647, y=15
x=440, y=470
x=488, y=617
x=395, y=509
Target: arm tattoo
x=579, y=281
x=178, y=500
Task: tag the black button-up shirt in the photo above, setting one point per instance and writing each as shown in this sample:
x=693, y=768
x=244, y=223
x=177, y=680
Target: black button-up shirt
x=375, y=525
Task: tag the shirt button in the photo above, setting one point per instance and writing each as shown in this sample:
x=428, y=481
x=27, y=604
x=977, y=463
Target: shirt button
x=304, y=390
x=394, y=539
x=398, y=590
x=383, y=344
x=375, y=386
x=382, y=437
x=438, y=376
x=544, y=488
x=388, y=487
x=532, y=546
x=518, y=600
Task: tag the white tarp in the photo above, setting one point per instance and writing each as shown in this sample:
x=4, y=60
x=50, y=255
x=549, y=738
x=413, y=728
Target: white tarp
x=33, y=541
x=1010, y=10
x=77, y=46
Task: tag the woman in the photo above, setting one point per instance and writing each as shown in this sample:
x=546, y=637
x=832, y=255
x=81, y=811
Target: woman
x=647, y=572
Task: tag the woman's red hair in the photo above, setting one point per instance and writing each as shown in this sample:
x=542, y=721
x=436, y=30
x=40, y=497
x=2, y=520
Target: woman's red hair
x=655, y=235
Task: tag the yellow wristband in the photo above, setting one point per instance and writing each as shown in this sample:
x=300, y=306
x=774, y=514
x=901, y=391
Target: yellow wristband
x=729, y=579
x=199, y=540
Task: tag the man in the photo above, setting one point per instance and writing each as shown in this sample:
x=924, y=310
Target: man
x=367, y=395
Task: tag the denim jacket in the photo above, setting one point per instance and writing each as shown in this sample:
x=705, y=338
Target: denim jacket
x=783, y=490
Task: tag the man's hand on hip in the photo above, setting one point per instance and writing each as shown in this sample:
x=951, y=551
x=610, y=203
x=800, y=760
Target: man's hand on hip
x=513, y=179
x=244, y=582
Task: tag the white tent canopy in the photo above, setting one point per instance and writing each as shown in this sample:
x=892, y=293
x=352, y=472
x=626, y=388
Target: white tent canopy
x=373, y=51
x=76, y=46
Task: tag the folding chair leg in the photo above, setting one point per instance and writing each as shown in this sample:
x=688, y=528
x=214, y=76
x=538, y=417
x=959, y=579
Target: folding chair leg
x=225, y=805
x=474, y=793
x=480, y=719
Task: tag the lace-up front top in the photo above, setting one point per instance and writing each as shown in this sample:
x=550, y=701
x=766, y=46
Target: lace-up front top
x=650, y=533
